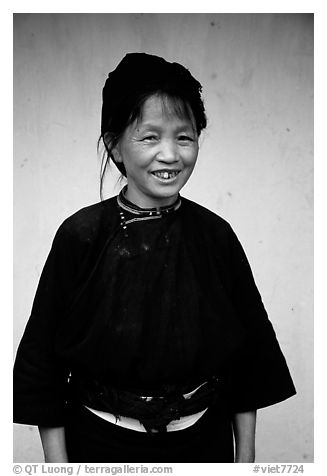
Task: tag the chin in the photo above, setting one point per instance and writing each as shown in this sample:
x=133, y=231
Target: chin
x=167, y=197
x=166, y=193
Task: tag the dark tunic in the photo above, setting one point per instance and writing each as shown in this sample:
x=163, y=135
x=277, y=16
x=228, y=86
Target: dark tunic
x=141, y=301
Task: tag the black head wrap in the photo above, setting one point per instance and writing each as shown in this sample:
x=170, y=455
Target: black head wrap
x=141, y=73
x=137, y=77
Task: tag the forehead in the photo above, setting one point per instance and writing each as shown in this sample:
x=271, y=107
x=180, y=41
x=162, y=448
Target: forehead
x=158, y=109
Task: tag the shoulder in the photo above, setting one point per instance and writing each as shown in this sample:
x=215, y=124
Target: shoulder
x=205, y=216
x=91, y=220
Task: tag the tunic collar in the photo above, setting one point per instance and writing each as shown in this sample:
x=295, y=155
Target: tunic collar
x=146, y=212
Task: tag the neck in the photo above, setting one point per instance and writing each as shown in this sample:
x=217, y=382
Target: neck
x=130, y=206
x=151, y=203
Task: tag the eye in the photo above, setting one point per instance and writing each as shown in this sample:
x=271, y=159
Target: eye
x=185, y=138
x=149, y=138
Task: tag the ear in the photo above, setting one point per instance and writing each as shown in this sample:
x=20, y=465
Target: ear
x=117, y=154
x=108, y=139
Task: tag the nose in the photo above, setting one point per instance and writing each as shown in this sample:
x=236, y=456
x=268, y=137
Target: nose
x=168, y=152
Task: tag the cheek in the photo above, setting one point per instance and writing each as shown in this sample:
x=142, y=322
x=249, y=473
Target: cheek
x=137, y=156
x=190, y=156
x=136, y=164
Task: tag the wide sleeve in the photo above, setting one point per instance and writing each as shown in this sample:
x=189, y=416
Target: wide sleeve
x=259, y=374
x=40, y=377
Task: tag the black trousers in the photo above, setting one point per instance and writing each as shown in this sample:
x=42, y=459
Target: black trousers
x=91, y=439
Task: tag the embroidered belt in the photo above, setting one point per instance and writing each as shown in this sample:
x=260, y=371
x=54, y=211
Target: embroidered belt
x=153, y=412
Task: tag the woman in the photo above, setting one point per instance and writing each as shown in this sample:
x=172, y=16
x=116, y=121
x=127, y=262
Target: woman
x=148, y=340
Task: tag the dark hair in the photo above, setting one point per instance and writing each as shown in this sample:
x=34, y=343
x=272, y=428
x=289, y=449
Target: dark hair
x=138, y=77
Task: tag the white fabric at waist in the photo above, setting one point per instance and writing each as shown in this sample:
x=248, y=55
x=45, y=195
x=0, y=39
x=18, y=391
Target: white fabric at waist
x=134, y=424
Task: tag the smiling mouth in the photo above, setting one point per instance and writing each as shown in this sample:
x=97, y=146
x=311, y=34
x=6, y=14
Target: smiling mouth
x=166, y=174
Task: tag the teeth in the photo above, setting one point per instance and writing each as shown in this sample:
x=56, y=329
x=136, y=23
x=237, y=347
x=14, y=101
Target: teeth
x=166, y=175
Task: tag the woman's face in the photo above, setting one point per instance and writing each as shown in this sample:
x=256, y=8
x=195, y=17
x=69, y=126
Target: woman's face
x=159, y=152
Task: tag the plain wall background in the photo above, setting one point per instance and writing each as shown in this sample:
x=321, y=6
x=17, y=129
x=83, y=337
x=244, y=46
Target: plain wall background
x=255, y=165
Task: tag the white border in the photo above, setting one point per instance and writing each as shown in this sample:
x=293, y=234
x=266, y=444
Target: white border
x=6, y=191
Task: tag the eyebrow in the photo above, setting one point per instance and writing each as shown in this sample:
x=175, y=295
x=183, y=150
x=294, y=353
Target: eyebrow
x=156, y=127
